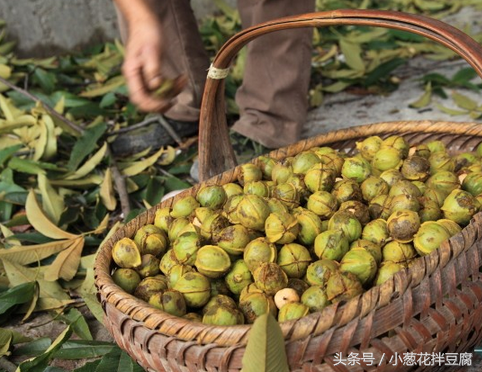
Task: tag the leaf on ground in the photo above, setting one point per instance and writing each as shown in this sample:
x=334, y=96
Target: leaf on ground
x=25, y=166
x=137, y=167
x=80, y=349
x=118, y=360
x=101, y=89
x=424, y=99
x=41, y=362
x=52, y=202
x=66, y=263
x=40, y=221
x=464, y=102
x=450, y=111
x=265, y=350
x=352, y=53
x=52, y=295
x=79, y=325
x=51, y=145
x=10, y=337
x=89, y=165
x=85, y=145
x=7, y=152
x=106, y=192
x=28, y=254
x=89, y=181
x=19, y=294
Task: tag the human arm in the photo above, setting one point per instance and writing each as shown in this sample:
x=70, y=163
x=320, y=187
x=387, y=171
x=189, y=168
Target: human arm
x=143, y=56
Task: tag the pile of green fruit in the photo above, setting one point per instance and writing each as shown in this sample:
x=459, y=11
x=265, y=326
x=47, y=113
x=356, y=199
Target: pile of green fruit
x=295, y=235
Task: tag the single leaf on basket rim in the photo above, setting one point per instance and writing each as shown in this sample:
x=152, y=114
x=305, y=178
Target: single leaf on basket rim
x=265, y=350
x=40, y=221
x=66, y=263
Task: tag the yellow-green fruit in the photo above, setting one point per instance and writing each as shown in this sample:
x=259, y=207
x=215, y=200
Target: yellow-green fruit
x=149, y=265
x=195, y=288
x=360, y=262
x=213, y=224
x=170, y=301
x=212, y=261
x=347, y=223
x=460, y=206
x=318, y=178
x=248, y=173
x=163, y=219
x=387, y=158
x=319, y=272
x=416, y=168
x=294, y=259
x=402, y=225
x=232, y=188
x=127, y=279
x=270, y=278
x=292, y=311
x=176, y=272
x=398, y=143
x=398, y=252
x=168, y=261
x=288, y=194
x=343, y=286
x=452, y=227
x=193, y=317
x=345, y=190
x=310, y=225
x=266, y=164
x=184, y=207
x=260, y=188
x=223, y=316
x=281, y=228
x=369, y=147
x=331, y=245
x=176, y=227
x=304, y=161
x=315, y=298
x=238, y=277
x=185, y=248
x=373, y=186
x=255, y=304
x=233, y=239
x=151, y=239
x=150, y=285
x=252, y=212
x=429, y=237
x=374, y=249
x=323, y=204
x=376, y=231
x=219, y=300
x=444, y=181
x=212, y=196
x=386, y=271
x=257, y=251
x=356, y=168
x=126, y=254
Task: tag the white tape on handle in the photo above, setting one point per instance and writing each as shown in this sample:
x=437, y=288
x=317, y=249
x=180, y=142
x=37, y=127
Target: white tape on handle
x=217, y=73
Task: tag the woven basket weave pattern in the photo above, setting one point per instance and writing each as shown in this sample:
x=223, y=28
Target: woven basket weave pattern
x=432, y=307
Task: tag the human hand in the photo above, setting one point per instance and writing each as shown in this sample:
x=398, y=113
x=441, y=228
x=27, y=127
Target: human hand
x=142, y=68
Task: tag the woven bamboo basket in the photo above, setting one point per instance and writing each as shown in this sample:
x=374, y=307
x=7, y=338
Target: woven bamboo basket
x=433, y=307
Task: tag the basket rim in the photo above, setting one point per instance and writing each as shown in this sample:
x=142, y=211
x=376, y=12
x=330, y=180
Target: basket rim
x=338, y=314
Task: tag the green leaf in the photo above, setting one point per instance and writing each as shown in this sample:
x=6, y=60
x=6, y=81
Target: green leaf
x=424, y=99
x=89, y=165
x=464, y=75
x=118, y=360
x=52, y=202
x=33, y=348
x=450, y=111
x=174, y=183
x=25, y=166
x=6, y=153
x=17, y=295
x=40, y=363
x=464, y=102
x=383, y=71
x=88, y=367
x=81, y=349
x=78, y=323
x=265, y=351
x=45, y=79
x=352, y=53
x=85, y=145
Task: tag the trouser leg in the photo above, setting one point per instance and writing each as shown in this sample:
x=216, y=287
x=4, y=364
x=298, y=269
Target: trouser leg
x=273, y=96
x=183, y=53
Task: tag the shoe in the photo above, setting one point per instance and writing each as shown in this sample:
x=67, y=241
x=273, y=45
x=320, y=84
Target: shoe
x=154, y=132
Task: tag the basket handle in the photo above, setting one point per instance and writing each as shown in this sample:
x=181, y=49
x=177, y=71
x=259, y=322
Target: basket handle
x=215, y=151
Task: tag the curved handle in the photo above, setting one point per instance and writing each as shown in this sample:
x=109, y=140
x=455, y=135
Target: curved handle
x=215, y=151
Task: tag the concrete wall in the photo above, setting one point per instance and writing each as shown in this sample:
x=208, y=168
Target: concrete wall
x=46, y=27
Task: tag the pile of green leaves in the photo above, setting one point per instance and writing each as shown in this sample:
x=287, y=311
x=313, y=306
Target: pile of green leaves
x=61, y=186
